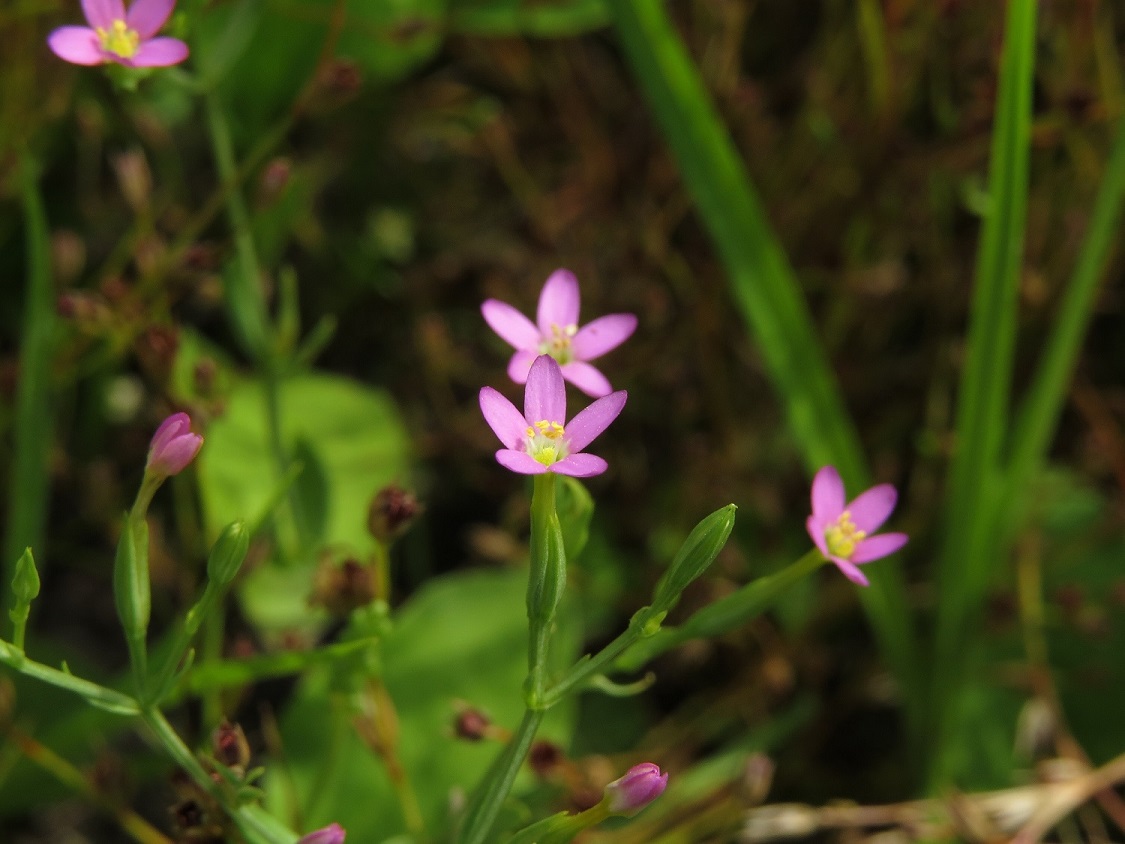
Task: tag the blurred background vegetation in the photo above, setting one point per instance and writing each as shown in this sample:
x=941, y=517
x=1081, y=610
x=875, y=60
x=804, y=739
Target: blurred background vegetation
x=404, y=160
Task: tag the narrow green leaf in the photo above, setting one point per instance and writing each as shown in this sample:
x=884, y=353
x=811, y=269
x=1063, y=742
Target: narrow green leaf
x=971, y=551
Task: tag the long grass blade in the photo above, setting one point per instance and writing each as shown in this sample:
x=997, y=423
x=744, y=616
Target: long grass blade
x=970, y=551
x=1039, y=413
x=28, y=485
x=762, y=281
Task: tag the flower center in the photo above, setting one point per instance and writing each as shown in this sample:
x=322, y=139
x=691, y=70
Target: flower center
x=842, y=536
x=557, y=344
x=545, y=442
x=119, y=40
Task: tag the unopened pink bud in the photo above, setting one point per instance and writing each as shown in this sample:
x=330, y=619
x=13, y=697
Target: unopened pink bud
x=643, y=784
x=331, y=834
x=173, y=447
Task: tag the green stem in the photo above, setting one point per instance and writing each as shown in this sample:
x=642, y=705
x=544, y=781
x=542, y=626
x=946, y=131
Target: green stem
x=497, y=783
x=99, y=696
x=33, y=424
x=725, y=614
x=545, y=584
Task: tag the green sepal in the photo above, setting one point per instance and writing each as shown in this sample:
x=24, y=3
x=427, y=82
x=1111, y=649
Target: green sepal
x=25, y=583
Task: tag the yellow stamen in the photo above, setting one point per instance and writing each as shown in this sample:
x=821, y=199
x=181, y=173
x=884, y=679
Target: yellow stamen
x=543, y=441
x=119, y=39
x=842, y=537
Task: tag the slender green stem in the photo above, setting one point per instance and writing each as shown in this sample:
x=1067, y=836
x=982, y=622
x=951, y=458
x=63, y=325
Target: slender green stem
x=723, y=615
x=99, y=696
x=497, y=783
x=33, y=425
x=545, y=584
x=599, y=663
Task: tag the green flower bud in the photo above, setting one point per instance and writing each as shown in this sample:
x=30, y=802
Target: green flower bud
x=25, y=584
x=695, y=555
x=228, y=552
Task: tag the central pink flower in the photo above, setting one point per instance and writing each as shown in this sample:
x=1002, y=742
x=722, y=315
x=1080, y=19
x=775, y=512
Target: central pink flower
x=540, y=439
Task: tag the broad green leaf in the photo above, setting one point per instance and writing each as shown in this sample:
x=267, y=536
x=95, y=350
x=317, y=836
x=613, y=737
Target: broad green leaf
x=553, y=18
x=462, y=639
x=350, y=441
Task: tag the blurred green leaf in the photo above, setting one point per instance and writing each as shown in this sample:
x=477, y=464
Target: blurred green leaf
x=462, y=639
x=351, y=441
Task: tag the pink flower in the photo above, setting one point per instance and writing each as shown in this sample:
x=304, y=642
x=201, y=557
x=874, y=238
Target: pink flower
x=842, y=531
x=558, y=335
x=173, y=446
x=332, y=834
x=539, y=439
x=639, y=787
x=116, y=36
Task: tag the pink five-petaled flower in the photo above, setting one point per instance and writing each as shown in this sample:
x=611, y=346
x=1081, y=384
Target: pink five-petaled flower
x=114, y=35
x=843, y=531
x=558, y=335
x=173, y=446
x=331, y=834
x=639, y=787
x=540, y=439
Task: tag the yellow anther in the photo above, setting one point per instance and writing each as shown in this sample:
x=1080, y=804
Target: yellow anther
x=843, y=536
x=119, y=39
x=550, y=430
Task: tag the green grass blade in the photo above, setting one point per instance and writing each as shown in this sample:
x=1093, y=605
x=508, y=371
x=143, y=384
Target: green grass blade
x=1040, y=411
x=970, y=551
x=762, y=280
x=28, y=484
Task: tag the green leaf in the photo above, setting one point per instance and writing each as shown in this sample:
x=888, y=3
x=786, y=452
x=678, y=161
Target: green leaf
x=352, y=442
x=460, y=639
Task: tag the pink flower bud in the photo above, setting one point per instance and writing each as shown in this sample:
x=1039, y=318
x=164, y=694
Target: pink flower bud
x=643, y=784
x=173, y=447
x=331, y=834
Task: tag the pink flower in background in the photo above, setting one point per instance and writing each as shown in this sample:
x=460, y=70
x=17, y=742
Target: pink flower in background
x=540, y=439
x=557, y=334
x=639, y=787
x=843, y=531
x=114, y=35
x=173, y=446
x=332, y=834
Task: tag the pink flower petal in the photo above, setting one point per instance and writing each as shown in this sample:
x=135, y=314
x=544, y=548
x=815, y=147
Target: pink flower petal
x=502, y=417
x=875, y=547
x=850, y=571
x=520, y=461
x=520, y=365
x=148, y=16
x=583, y=428
x=174, y=426
x=815, y=527
x=558, y=302
x=76, y=44
x=827, y=495
x=603, y=334
x=873, y=507
x=580, y=465
x=545, y=394
x=160, y=52
x=513, y=327
x=587, y=378
x=102, y=13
